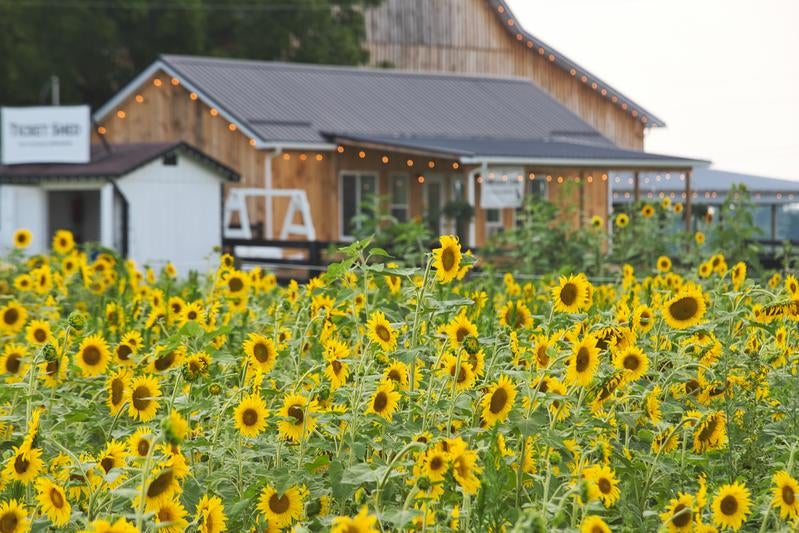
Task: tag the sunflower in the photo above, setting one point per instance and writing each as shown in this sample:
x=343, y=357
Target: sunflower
x=170, y=515
x=633, y=360
x=38, y=332
x=120, y=526
x=381, y=332
x=12, y=317
x=685, y=309
x=603, y=484
x=140, y=443
x=261, y=352
x=117, y=388
x=24, y=464
x=12, y=362
x=498, y=401
x=166, y=359
x=250, y=415
x=384, y=401
x=194, y=312
x=593, y=524
x=647, y=211
x=731, y=506
x=583, y=362
x=663, y=264
x=515, y=315
x=53, y=501
x=161, y=487
x=738, y=275
x=464, y=465
x=596, y=222
x=63, y=242
x=622, y=220
x=210, y=515
x=397, y=373
x=459, y=328
x=236, y=284
x=13, y=517
x=337, y=372
x=792, y=285
x=447, y=258
x=22, y=238
x=280, y=510
x=124, y=353
x=643, y=319
x=112, y=457
x=465, y=375
x=298, y=422
x=679, y=515
x=435, y=464
x=711, y=432
x=144, y=393
x=363, y=522
x=571, y=294
x=786, y=494
x=705, y=269
x=92, y=356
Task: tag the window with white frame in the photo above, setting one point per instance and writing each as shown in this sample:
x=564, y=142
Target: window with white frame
x=493, y=221
x=399, y=191
x=354, y=188
x=535, y=188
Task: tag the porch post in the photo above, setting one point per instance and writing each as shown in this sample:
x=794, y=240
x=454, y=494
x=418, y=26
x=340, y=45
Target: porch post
x=470, y=197
x=581, y=177
x=636, y=187
x=688, y=200
x=107, y=216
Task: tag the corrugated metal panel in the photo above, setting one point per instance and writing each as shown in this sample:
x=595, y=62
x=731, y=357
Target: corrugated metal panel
x=295, y=103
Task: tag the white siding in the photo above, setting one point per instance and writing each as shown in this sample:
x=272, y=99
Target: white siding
x=174, y=214
x=23, y=207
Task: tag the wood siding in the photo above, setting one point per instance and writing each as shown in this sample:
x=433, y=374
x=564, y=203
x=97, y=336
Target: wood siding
x=467, y=36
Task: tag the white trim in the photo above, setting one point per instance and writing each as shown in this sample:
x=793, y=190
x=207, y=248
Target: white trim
x=577, y=162
x=321, y=147
x=126, y=91
x=107, y=215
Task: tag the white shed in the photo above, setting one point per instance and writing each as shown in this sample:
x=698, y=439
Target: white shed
x=152, y=202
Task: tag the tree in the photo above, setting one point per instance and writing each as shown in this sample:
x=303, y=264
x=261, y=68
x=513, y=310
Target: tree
x=96, y=46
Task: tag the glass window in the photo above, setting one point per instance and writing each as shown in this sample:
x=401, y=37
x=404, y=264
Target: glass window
x=788, y=222
x=354, y=190
x=762, y=218
x=399, y=197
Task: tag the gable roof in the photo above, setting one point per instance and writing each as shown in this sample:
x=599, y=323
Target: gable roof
x=294, y=103
x=603, y=89
x=120, y=161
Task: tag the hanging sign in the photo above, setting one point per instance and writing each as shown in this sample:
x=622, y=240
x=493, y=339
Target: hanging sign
x=55, y=134
x=502, y=188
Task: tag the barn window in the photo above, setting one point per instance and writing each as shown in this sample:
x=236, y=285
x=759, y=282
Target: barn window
x=170, y=159
x=399, y=197
x=355, y=189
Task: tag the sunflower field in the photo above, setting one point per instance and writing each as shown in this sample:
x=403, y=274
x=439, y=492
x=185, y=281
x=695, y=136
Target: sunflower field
x=382, y=398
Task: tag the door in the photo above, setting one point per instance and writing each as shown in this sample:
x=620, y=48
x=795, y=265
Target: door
x=434, y=202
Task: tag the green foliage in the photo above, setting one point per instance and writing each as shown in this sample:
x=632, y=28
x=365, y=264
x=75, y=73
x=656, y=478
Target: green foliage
x=95, y=50
x=734, y=232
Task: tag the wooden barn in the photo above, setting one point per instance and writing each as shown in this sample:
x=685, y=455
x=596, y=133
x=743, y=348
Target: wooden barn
x=332, y=135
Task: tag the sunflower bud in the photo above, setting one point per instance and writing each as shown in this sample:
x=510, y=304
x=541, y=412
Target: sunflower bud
x=471, y=345
x=50, y=352
x=77, y=320
x=530, y=522
x=175, y=428
x=423, y=483
x=583, y=491
x=313, y=508
x=215, y=389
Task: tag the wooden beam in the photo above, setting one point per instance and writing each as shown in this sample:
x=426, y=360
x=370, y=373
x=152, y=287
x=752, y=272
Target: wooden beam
x=688, y=201
x=581, y=185
x=636, y=186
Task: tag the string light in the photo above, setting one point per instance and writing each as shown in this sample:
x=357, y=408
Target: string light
x=214, y=112
x=121, y=114
x=531, y=176
x=479, y=179
x=409, y=162
x=431, y=164
x=560, y=179
x=252, y=142
x=362, y=154
x=231, y=127
x=303, y=157
x=385, y=159
x=604, y=177
x=157, y=82
x=319, y=157
x=286, y=157
x=340, y=149
x=193, y=96
x=590, y=179
x=549, y=179
x=456, y=165
x=139, y=99
x=101, y=130
x=420, y=178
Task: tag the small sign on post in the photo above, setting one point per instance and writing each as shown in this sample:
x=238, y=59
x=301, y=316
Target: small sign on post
x=502, y=188
x=55, y=134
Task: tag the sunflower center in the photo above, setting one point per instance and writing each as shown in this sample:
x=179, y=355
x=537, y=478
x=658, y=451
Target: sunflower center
x=249, y=417
x=295, y=411
x=380, y=402
x=143, y=447
x=604, y=485
x=729, y=505
x=692, y=387
x=11, y=316
x=597, y=529
x=543, y=386
x=568, y=294
x=541, y=356
x=685, y=308
x=123, y=352
x=117, y=389
x=681, y=516
x=91, y=355
x=279, y=504
x=582, y=360
x=337, y=366
x=631, y=362
x=382, y=333
x=235, y=284
x=165, y=361
x=436, y=463
x=165, y=515
x=645, y=318
x=447, y=259
x=708, y=430
x=788, y=495
x=13, y=363
x=140, y=398
x=52, y=367
x=160, y=484
x=498, y=400
x=40, y=335
x=21, y=464
x=261, y=352
x=462, y=374
x=8, y=523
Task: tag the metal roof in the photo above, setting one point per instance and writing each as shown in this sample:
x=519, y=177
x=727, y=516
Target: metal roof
x=294, y=103
x=526, y=151
x=121, y=160
x=603, y=89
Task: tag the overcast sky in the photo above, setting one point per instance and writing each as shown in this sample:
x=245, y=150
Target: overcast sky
x=722, y=74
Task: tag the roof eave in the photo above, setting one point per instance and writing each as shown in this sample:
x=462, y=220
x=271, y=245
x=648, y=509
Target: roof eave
x=633, y=164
